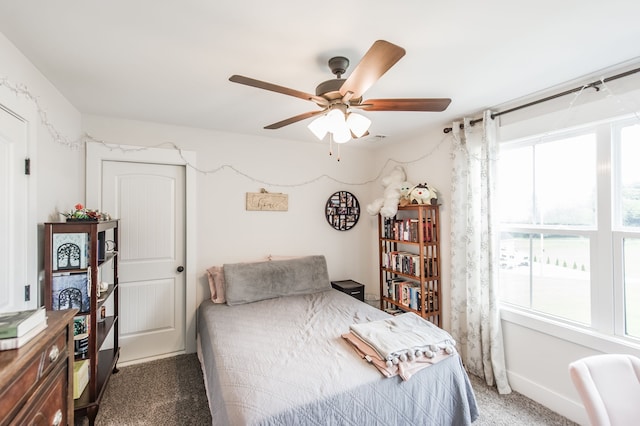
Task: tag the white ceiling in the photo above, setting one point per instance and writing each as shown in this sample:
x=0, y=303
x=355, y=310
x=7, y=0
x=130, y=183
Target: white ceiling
x=169, y=61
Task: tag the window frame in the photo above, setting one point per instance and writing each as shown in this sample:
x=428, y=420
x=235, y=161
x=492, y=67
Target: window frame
x=607, y=329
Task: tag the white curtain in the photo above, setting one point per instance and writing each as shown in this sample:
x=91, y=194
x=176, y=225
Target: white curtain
x=475, y=317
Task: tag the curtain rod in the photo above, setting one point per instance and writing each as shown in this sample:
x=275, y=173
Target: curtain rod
x=594, y=85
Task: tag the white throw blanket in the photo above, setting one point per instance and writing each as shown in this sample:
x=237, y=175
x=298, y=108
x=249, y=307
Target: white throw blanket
x=404, y=337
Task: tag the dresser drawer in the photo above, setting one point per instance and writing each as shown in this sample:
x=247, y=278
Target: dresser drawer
x=39, y=365
x=48, y=404
x=14, y=392
x=34, y=379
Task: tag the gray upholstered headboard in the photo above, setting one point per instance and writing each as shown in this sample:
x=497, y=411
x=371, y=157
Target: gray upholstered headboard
x=251, y=282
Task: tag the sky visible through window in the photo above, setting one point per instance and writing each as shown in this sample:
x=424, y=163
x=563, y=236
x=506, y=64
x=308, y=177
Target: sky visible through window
x=562, y=186
x=630, y=155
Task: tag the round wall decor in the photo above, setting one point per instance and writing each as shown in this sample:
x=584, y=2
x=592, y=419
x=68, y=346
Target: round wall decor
x=342, y=210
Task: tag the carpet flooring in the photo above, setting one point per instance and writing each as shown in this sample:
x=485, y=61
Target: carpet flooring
x=171, y=392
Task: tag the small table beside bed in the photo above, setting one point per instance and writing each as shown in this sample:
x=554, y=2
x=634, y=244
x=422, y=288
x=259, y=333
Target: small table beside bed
x=276, y=353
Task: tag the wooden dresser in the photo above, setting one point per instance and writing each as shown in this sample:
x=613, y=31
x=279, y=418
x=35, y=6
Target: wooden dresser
x=36, y=380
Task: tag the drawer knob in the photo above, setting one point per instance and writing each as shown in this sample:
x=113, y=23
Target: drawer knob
x=57, y=418
x=53, y=354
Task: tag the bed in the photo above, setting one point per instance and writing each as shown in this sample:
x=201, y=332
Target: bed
x=274, y=354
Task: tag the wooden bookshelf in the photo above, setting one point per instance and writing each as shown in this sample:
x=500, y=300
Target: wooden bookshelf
x=97, y=265
x=410, y=269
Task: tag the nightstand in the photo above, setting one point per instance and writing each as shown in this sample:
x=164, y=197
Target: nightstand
x=350, y=287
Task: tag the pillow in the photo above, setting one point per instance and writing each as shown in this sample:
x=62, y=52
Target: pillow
x=251, y=282
x=216, y=284
x=215, y=275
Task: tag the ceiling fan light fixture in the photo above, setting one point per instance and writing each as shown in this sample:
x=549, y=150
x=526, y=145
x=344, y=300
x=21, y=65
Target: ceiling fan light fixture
x=341, y=134
x=335, y=119
x=319, y=127
x=359, y=124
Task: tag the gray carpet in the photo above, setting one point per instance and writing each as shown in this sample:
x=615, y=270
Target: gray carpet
x=171, y=392
x=164, y=392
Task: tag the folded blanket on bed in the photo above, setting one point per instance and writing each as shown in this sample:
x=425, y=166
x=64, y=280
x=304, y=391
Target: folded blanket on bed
x=404, y=369
x=404, y=337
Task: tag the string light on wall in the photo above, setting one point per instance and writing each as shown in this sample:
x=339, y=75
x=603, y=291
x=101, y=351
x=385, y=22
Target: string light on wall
x=121, y=148
x=356, y=124
x=21, y=90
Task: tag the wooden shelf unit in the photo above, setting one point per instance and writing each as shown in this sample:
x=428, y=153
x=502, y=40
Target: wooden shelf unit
x=103, y=351
x=410, y=269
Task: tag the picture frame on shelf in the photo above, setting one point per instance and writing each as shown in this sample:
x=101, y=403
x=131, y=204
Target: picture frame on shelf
x=70, y=291
x=69, y=251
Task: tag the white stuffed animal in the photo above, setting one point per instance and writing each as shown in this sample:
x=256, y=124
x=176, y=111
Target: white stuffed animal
x=387, y=206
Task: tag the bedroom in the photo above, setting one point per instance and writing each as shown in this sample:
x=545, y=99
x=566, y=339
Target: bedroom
x=556, y=49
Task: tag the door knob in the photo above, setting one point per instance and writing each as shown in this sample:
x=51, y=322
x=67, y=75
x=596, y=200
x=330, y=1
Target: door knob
x=180, y=268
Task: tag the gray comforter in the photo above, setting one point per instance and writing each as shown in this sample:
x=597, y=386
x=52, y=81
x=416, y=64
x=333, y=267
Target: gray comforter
x=283, y=361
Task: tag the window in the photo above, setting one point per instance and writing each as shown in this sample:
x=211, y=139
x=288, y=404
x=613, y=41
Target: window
x=570, y=227
x=627, y=221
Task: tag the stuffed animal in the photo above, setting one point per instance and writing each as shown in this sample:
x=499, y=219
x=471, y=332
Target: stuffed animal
x=387, y=206
x=423, y=194
x=405, y=188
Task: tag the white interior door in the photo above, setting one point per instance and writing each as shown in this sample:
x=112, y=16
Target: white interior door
x=149, y=200
x=15, y=235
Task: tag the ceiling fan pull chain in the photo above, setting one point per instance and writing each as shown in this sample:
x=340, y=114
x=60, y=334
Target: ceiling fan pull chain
x=330, y=144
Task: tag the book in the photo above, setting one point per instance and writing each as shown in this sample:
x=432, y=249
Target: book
x=80, y=377
x=17, y=324
x=80, y=325
x=17, y=342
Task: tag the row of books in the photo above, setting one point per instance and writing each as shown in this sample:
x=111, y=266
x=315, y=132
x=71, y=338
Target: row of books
x=18, y=328
x=409, y=230
x=409, y=263
x=408, y=293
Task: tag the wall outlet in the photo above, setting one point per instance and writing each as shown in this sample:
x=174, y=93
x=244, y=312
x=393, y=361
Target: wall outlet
x=27, y=293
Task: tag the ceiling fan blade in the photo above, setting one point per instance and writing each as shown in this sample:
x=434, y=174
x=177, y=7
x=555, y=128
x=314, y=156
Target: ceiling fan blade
x=433, y=104
x=292, y=120
x=278, y=89
x=380, y=57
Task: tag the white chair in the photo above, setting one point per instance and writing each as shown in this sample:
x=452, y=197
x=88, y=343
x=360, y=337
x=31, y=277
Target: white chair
x=609, y=386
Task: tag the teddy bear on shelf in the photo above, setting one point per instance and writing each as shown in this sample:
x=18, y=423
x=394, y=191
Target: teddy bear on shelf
x=393, y=184
x=405, y=189
x=423, y=194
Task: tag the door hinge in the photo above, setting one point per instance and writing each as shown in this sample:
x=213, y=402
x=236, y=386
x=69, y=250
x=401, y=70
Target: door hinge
x=27, y=166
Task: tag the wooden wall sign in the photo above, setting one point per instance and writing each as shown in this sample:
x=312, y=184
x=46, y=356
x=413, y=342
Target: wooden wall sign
x=267, y=201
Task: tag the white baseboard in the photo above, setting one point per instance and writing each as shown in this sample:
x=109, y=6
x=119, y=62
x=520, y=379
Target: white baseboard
x=151, y=358
x=573, y=410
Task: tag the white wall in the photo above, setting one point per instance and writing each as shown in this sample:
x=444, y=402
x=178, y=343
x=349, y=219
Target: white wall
x=57, y=171
x=226, y=231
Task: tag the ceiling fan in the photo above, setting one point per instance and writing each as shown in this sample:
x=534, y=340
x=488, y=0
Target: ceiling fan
x=339, y=97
